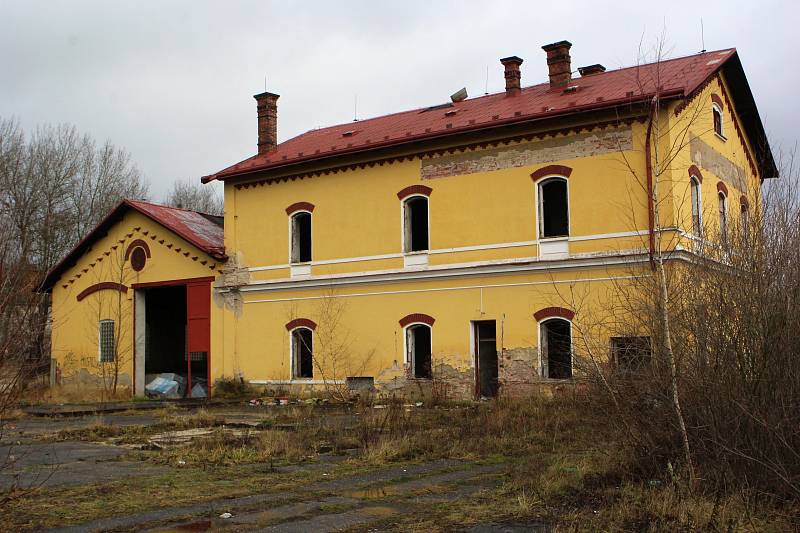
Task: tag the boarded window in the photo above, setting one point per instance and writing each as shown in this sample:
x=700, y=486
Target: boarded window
x=415, y=217
x=553, y=208
x=302, y=353
x=107, y=343
x=556, y=344
x=697, y=221
x=301, y=237
x=631, y=354
x=418, y=344
x=717, y=120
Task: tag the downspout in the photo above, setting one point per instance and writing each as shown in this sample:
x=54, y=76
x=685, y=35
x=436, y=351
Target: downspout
x=648, y=158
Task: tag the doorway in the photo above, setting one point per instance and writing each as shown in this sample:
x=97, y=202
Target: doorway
x=556, y=344
x=486, y=367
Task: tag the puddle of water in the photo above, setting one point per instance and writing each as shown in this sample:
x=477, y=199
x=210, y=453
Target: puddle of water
x=373, y=493
x=203, y=525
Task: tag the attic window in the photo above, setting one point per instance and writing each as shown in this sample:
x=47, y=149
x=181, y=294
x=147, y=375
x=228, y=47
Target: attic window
x=349, y=133
x=571, y=89
x=450, y=112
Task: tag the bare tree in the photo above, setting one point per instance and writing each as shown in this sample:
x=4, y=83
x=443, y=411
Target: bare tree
x=195, y=197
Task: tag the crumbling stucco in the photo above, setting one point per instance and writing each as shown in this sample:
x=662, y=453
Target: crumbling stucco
x=709, y=159
x=235, y=274
x=528, y=153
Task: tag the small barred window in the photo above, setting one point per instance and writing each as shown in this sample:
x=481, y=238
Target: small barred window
x=106, y=341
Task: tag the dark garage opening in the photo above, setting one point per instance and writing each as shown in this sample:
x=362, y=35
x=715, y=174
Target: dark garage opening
x=166, y=341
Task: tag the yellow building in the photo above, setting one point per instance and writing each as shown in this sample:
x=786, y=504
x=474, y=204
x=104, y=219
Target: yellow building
x=440, y=249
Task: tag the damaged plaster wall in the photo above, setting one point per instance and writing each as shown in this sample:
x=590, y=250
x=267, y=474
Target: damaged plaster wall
x=708, y=158
x=529, y=153
x=235, y=274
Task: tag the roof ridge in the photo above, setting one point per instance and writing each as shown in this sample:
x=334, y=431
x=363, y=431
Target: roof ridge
x=166, y=206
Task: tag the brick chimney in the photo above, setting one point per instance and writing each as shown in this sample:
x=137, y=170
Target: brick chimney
x=267, y=108
x=512, y=74
x=558, y=61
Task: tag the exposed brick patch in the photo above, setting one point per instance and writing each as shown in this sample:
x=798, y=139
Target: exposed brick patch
x=721, y=187
x=105, y=285
x=414, y=189
x=301, y=323
x=717, y=100
x=694, y=171
x=716, y=163
x=553, y=312
x=551, y=170
x=300, y=206
x=528, y=153
x=138, y=243
x=417, y=317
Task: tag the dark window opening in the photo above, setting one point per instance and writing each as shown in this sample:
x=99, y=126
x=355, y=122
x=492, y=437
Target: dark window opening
x=416, y=224
x=107, y=341
x=418, y=340
x=557, y=349
x=723, y=217
x=303, y=353
x=717, y=121
x=697, y=223
x=554, y=211
x=486, y=356
x=631, y=354
x=301, y=238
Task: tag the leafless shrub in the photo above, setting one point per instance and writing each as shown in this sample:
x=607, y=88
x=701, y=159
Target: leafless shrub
x=196, y=197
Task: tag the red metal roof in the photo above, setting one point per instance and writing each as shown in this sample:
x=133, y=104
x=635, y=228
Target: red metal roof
x=676, y=77
x=202, y=230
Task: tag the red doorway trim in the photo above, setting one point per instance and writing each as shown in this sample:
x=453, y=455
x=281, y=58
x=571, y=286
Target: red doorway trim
x=416, y=318
x=301, y=323
x=110, y=285
x=171, y=282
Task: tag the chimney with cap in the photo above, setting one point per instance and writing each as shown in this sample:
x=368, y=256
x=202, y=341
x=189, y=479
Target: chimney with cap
x=267, y=108
x=512, y=74
x=558, y=62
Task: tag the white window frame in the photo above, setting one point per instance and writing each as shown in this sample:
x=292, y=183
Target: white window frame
x=294, y=362
x=540, y=209
x=540, y=331
x=420, y=257
x=300, y=269
x=724, y=215
x=715, y=108
x=408, y=357
x=696, y=184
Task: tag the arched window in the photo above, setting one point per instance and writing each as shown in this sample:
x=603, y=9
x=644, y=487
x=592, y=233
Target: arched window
x=745, y=220
x=723, y=215
x=418, y=350
x=697, y=207
x=553, y=208
x=301, y=237
x=555, y=340
x=716, y=111
x=415, y=224
x=302, y=353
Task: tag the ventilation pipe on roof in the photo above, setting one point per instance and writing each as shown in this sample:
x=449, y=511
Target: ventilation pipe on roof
x=512, y=74
x=267, y=108
x=559, y=63
x=591, y=69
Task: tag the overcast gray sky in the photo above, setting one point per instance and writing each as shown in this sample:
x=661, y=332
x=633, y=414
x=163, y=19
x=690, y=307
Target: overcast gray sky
x=172, y=81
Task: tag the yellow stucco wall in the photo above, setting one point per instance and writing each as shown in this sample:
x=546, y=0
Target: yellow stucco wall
x=75, y=324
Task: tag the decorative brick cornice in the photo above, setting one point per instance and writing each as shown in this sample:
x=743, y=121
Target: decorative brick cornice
x=414, y=189
x=616, y=123
x=105, y=285
x=721, y=187
x=695, y=172
x=717, y=100
x=300, y=206
x=553, y=312
x=551, y=170
x=138, y=243
x=301, y=323
x=415, y=318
